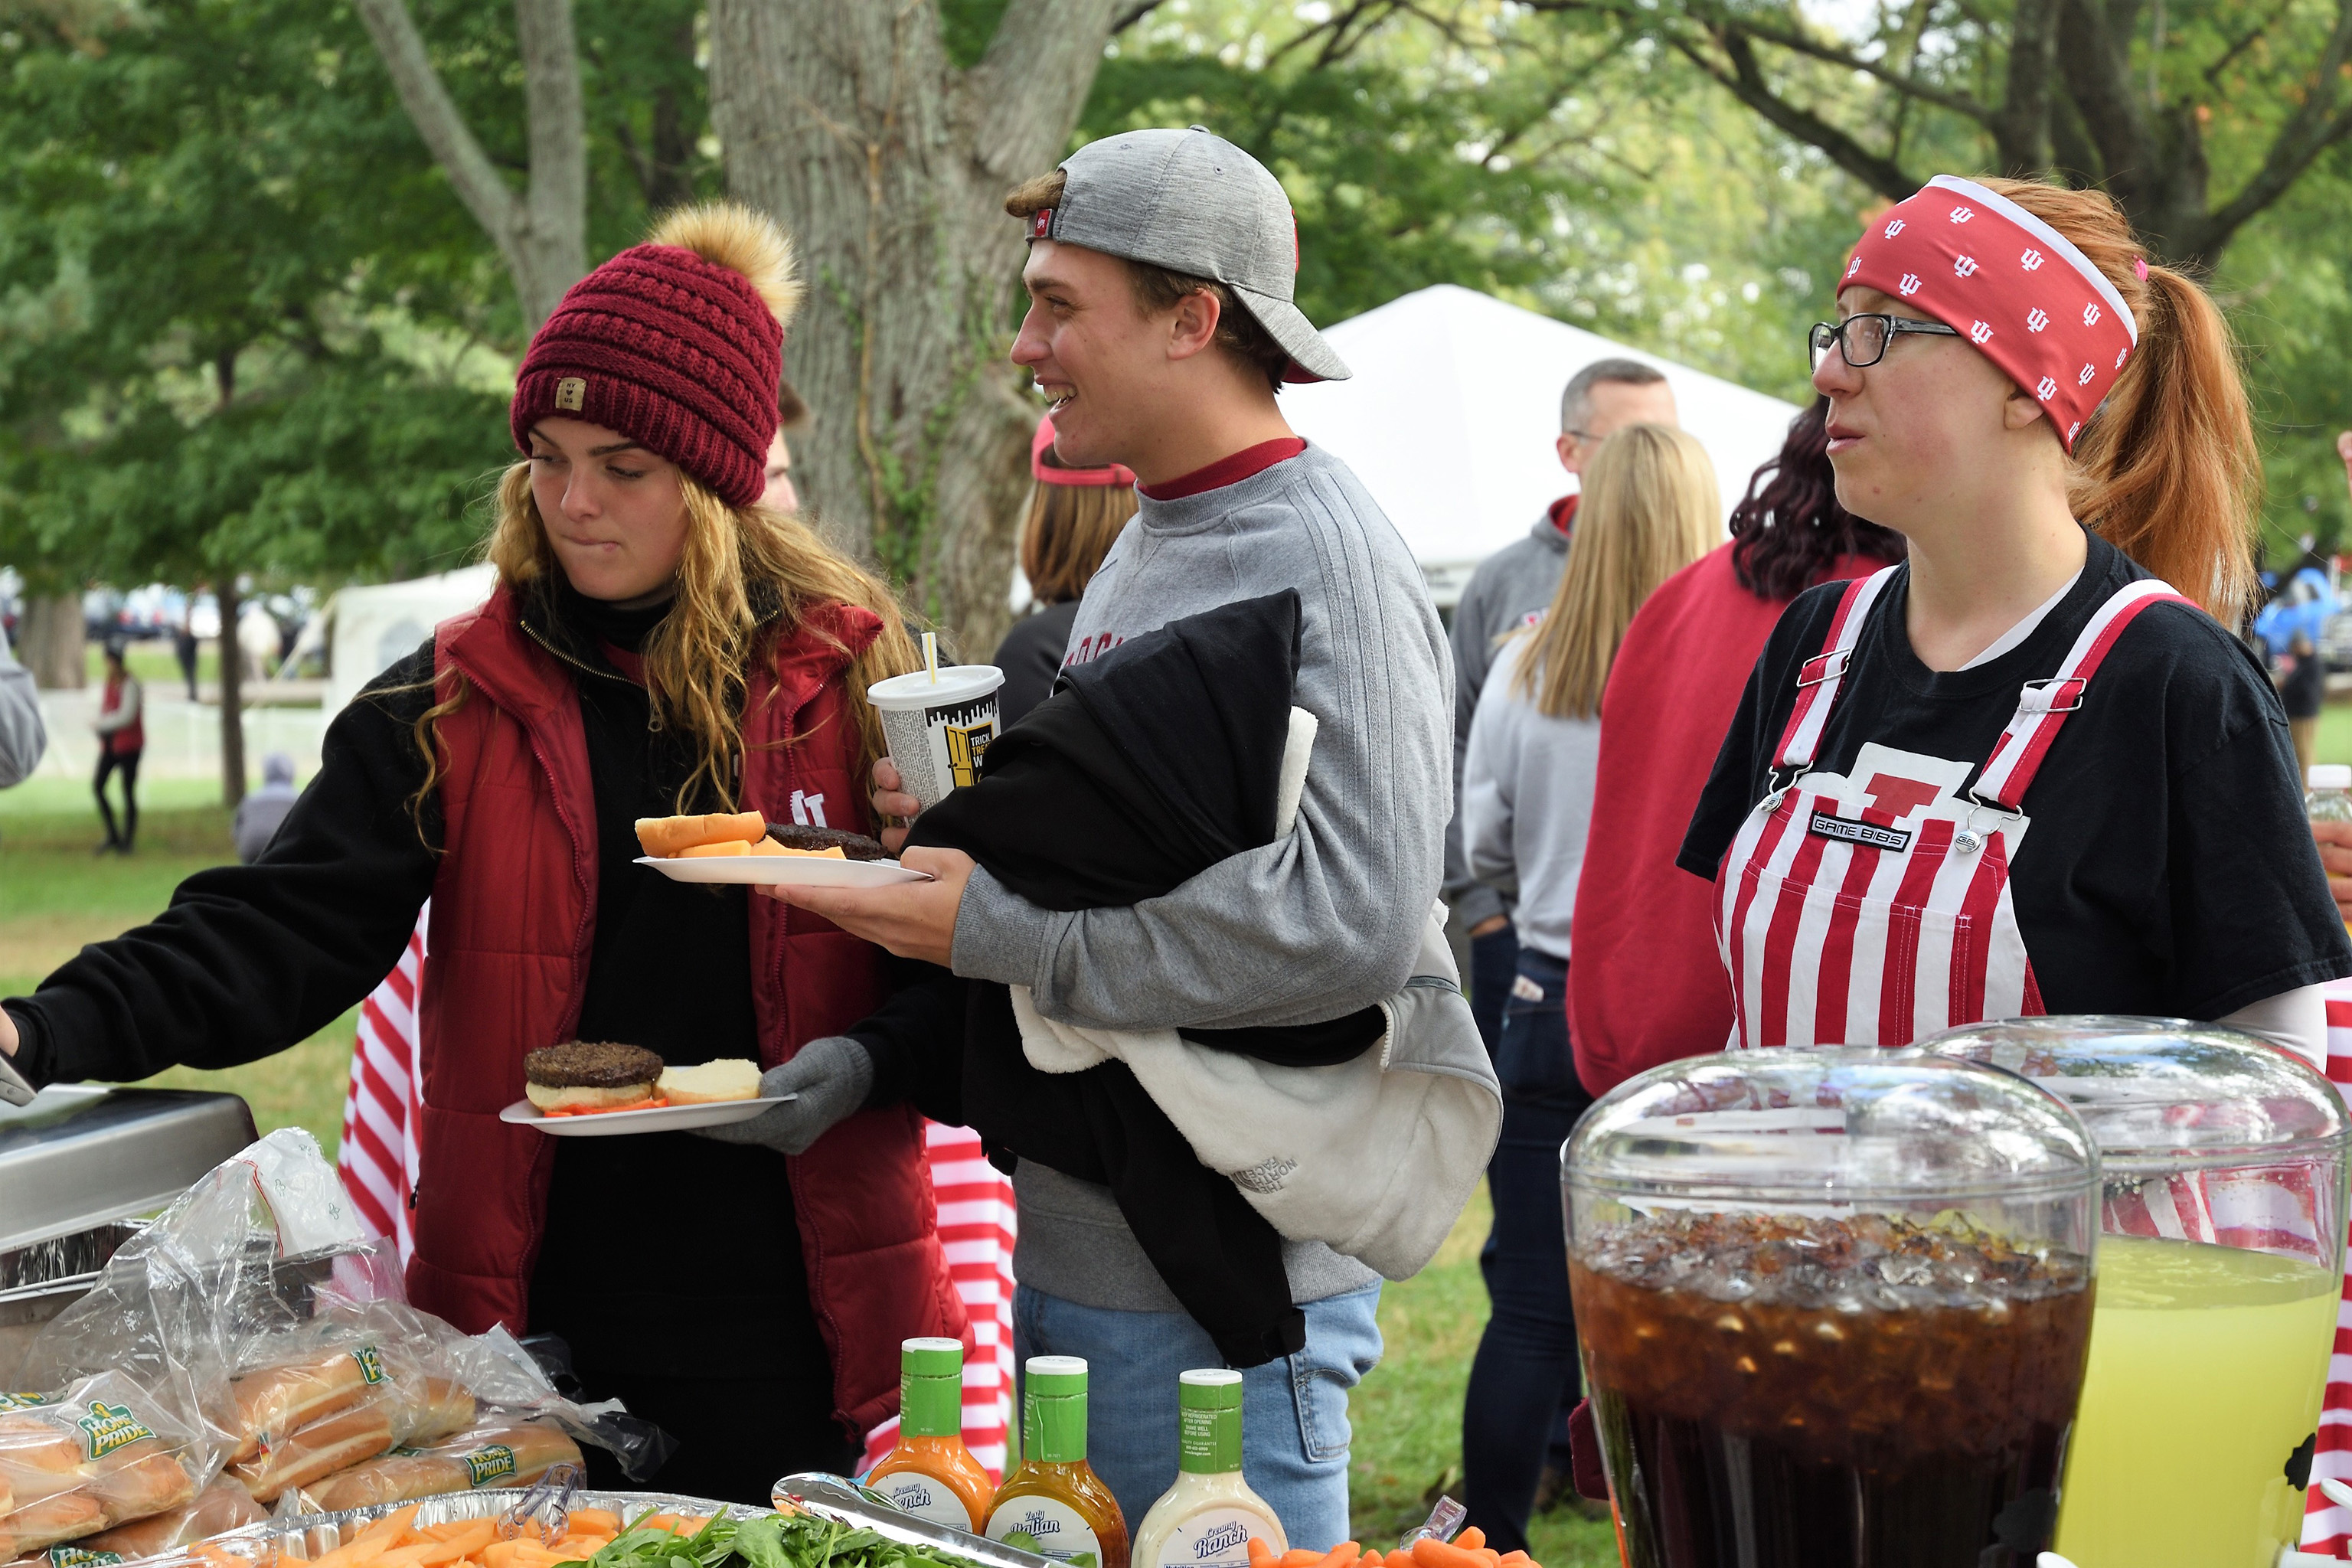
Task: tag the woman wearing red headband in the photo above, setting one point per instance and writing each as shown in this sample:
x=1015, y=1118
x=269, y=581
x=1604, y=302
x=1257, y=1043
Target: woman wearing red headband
x=2031, y=770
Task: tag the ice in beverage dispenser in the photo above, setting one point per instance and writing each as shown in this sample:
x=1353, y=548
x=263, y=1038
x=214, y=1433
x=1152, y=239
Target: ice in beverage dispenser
x=1835, y=1306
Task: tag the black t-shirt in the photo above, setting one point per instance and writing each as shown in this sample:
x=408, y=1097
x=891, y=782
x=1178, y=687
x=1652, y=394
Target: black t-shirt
x=2168, y=868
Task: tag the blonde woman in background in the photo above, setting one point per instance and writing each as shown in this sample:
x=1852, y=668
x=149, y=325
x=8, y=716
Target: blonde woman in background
x=1649, y=508
x=1075, y=517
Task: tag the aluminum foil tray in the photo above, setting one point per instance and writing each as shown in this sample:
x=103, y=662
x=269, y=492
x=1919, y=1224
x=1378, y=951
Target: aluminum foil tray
x=846, y=1502
x=306, y=1536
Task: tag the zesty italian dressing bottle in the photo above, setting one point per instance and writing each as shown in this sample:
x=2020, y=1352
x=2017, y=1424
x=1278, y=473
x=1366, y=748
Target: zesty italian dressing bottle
x=930, y=1474
x=1055, y=1503
x=1206, y=1519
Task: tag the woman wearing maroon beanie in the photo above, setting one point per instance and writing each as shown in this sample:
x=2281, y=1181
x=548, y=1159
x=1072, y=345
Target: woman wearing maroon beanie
x=658, y=642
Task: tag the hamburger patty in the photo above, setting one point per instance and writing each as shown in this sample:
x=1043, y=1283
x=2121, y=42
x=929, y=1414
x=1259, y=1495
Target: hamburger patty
x=855, y=846
x=583, y=1064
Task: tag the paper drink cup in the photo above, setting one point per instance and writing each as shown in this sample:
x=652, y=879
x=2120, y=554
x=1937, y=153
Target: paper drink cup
x=937, y=729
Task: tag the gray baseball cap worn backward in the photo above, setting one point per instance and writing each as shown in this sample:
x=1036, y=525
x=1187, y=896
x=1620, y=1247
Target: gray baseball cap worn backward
x=1193, y=203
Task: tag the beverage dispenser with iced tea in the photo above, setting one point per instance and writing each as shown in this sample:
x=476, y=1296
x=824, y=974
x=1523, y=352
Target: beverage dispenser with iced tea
x=2220, y=1268
x=1834, y=1306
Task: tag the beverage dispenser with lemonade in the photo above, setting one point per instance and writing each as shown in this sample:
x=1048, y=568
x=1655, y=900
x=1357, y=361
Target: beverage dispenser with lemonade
x=1834, y=1306
x=2222, y=1208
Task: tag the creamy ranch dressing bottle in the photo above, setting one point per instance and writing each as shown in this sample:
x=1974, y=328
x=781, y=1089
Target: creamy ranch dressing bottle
x=1206, y=1519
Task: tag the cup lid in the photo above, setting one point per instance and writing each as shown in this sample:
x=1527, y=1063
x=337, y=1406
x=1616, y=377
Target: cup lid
x=2166, y=1094
x=1830, y=1124
x=957, y=683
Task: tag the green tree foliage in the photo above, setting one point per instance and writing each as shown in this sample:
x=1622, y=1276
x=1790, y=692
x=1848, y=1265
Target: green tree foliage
x=244, y=307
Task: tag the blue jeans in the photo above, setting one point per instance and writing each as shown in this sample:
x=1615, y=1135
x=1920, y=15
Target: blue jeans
x=1294, y=1411
x=1525, y=1378
x=1493, y=959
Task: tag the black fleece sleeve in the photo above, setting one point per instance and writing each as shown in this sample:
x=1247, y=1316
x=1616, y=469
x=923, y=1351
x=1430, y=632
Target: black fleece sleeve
x=249, y=960
x=915, y=1039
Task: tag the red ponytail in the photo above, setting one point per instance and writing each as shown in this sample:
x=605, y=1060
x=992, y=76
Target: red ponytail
x=2167, y=470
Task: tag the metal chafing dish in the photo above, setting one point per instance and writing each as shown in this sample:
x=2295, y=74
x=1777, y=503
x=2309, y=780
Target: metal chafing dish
x=79, y=1167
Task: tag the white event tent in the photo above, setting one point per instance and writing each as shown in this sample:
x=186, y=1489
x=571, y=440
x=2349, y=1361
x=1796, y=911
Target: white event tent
x=1450, y=414
x=376, y=627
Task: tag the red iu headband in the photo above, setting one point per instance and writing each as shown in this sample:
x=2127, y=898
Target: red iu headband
x=1111, y=473
x=2026, y=297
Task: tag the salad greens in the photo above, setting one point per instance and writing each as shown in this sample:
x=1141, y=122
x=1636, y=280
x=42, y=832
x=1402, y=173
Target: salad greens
x=767, y=1541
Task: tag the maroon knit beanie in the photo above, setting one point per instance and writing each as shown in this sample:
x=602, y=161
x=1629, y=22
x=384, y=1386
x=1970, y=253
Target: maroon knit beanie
x=677, y=354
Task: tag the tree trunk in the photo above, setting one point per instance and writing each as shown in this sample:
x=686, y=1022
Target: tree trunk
x=232, y=692
x=52, y=641
x=891, y=167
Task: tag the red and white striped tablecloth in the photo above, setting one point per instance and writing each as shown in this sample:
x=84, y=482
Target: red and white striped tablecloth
x=976, y=1224
x=2327, y=1528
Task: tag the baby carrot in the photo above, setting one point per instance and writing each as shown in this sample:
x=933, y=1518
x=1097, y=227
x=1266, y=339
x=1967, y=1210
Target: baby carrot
x=1343, y=1555
x=1471, y=1539
x=1299, y=1557
x=1430, y=1553
x=601, y=1518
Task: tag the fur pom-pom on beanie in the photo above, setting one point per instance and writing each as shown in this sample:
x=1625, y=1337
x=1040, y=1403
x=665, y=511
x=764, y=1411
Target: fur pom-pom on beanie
x=676, y=343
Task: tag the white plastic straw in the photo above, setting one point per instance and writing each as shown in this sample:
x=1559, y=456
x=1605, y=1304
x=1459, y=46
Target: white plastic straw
x=2337, y=1493
x=932, y=655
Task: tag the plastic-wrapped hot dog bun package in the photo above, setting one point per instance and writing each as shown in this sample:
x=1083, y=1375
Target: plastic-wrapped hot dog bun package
x=253, y=1342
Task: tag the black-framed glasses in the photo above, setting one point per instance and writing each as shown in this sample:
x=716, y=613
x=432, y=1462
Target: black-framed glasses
x=1861, y=340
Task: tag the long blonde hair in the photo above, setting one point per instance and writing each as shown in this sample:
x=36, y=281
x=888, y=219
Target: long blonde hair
x=1650, y=508
x=749, y=575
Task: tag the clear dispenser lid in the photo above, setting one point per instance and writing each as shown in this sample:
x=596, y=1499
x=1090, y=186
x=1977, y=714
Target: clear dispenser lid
x=2166, y=1094
x=1830, y=1125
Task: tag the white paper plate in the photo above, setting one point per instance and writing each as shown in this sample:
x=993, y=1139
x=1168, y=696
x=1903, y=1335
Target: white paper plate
x=658, y=1118
x=805, y=870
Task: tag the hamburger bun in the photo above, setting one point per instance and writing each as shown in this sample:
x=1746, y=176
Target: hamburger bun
x=712, y=1083
x=583, y=1075
x=724, y=847
x=668, y=836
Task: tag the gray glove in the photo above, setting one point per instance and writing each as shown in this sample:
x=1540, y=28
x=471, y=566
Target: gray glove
x=832, y=1077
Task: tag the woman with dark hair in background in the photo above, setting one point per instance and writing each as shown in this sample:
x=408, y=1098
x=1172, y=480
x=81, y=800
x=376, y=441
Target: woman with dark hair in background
x=1647, y=985
x=122, y=737
x=1075, y=515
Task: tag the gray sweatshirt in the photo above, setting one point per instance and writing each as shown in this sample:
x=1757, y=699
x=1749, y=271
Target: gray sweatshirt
x=1513, y=584
x=1312, y=927
x=23, y=736
x=1526, y=803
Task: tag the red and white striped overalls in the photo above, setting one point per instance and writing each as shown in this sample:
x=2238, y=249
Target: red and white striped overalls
x=1843, y=923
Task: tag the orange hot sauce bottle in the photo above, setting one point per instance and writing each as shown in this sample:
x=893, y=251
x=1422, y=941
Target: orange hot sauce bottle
x=930, y=1474
x=1055, y=1503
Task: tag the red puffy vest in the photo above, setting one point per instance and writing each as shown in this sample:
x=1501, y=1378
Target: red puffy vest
x=514, y=909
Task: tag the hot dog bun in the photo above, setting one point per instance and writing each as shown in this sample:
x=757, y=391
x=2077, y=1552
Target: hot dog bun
x=497, y=1453
x=712, y=1082
x=275, y=1400
x=142, y=1487
x=319, y=1449
x=67, y=1516
x=666, y=835
x=224, y=1505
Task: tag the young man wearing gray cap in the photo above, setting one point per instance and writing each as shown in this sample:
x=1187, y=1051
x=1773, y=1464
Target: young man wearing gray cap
x=1162, y=324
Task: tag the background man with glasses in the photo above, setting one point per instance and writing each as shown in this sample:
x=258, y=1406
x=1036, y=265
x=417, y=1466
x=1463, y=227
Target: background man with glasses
x=1511, y=588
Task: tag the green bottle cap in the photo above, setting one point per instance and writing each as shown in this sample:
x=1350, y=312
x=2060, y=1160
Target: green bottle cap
x=1053, y=1410
x=931, y=1388
x=1209, y=1421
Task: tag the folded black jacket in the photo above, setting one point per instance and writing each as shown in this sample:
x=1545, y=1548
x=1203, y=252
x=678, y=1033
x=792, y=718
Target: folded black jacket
x=1146, y=766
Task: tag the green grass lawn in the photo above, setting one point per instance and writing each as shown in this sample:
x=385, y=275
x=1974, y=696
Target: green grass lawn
x=56, y=895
